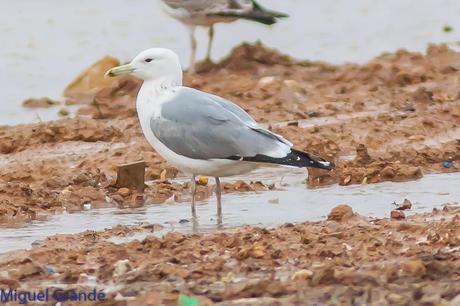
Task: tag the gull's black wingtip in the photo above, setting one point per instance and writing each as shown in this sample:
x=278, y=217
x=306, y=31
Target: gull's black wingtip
x=295, y=158
x=259, y=8
x=258, y=14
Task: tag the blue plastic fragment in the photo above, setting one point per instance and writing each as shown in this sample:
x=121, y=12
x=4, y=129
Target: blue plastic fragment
x=49, y=270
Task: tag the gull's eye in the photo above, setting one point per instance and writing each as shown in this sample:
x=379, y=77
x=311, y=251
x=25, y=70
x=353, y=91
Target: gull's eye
x=148, y=60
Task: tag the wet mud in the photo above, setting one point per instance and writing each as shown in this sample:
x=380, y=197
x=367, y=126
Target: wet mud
x=344, y=260
x=395, y=118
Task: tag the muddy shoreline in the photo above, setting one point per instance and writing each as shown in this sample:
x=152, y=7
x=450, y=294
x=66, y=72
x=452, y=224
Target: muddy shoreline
x=395, y=118
x=392, y=119
x=345, y=259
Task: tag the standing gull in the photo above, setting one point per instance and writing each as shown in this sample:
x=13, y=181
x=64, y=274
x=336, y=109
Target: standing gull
x=206, y=13
x=200, y=133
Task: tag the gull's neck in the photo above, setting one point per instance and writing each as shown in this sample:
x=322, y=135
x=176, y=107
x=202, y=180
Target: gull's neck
x=162, y=85
x=153, y=92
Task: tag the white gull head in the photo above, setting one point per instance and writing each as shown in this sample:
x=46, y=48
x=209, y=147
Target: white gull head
x=158, y=65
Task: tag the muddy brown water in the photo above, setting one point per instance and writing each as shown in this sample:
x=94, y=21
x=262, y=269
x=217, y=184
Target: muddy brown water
x=295, y=203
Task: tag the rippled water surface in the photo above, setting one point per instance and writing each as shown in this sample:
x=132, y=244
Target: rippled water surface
x=296, y=203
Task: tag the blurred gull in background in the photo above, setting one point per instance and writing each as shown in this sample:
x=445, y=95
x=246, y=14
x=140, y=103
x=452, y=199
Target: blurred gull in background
x=206, y=13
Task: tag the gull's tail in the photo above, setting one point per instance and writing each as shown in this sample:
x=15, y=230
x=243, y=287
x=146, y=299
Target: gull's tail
x=258, y=13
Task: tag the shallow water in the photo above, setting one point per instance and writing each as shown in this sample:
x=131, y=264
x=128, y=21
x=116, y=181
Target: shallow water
x=46, y=43
x=296, y=204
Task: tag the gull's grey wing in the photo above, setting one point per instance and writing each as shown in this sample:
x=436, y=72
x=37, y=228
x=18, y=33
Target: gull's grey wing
x=243, y=116
x=203, y=126
x=233, y=108
x=207, y=6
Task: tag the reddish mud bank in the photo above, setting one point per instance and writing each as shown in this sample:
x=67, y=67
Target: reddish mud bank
x=347, y=259
x=392, y=119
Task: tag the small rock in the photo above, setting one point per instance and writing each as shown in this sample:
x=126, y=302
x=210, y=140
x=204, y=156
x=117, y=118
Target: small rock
x=293, y=84
x=124, y=191
x=66, y=192
x=302, y=275
x=9, y=283
x=81, y=178
x=362, y=156
x=340, y=213
x=39, y=103
x=258, y=251
x=397, y=215
x=63, y=112
x=265, y=81
x=121, y=267
x=87, y=206
x=414, y=267
x=163, y=176
x=388, y=173
x=118, y=198
x=170, y=200
x=137, y=200
x=28, y=269
x=395, y=298
x=417, y=138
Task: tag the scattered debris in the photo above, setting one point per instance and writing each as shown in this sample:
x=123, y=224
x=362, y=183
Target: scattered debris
x=447, y=28
x=131, y=175
x=202, y=180
x=397, y=215
x=39, y=103
x=63, y=112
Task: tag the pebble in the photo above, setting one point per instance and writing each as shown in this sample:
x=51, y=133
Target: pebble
x=340, y=213
x=170, y=200
x=302, y=275
x=397, y=215
x=121, y=267
x=63, y=112
x=124, y=192
x=265, y=81
x=414, y=267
